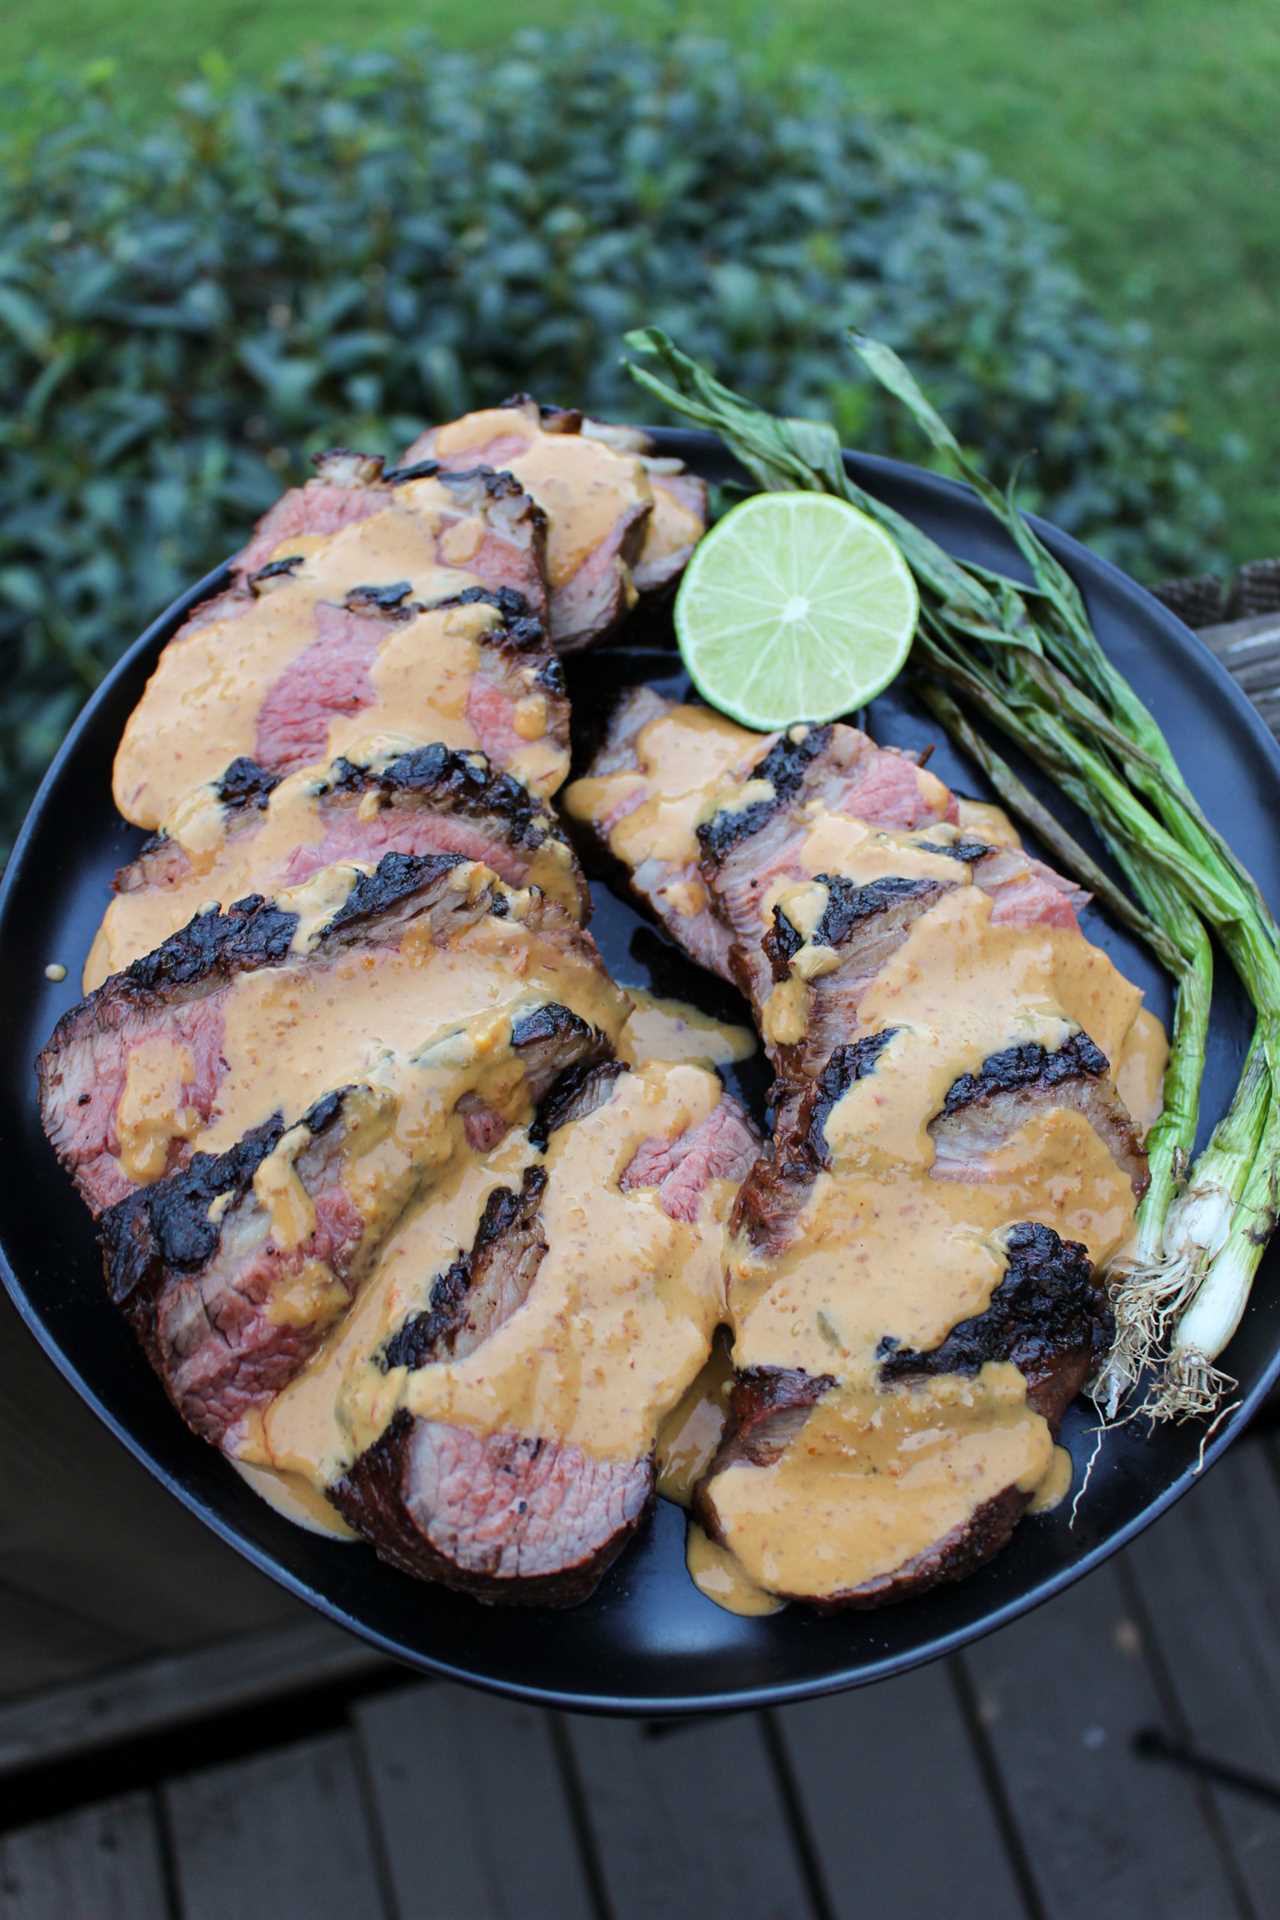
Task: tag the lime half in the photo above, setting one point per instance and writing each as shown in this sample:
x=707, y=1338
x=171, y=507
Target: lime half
x=795, y=606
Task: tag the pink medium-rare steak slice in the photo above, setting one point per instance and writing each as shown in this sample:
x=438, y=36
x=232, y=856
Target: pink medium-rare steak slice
x=502, y=1516
x=423, y=619
x=195, y=1037
x=251, y=832
x=230, y=1298
x=620, y=521
x=507, y=1515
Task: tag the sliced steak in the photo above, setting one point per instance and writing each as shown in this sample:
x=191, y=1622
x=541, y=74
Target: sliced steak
x=483, y=1287
x=509, y=1515
x=982, y=1110
x=502, y=1516
x=774, y=1191
x=1049, y=1317
x=375, y=628
x=723, y=1147
x=747, y=848
x=250, y=832
x=860, y=927
x=619, y=522
x=133, y=1076
x=231, y=1294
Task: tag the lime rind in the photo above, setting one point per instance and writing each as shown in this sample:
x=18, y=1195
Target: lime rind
x=795, y=607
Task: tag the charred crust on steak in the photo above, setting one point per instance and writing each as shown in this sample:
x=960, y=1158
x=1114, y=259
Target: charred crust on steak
x=460, y=780
x=579, y=1091
x=245, y=784
x=775, y=1188
x=283, y=569
x=420, y=470
x=251, y=932
x=145, y=1236
x=389, y=599
x=1049, y=1316
x=845, y=1065
x=498, y=484
x=848, y=904
x=510, y=1223
x=1027, y=1065
x=966, y=851
x=549, y=1022
x=784, y=767
x=848, y=908
x=396, y=877
x=522, y=630
x=550, y=677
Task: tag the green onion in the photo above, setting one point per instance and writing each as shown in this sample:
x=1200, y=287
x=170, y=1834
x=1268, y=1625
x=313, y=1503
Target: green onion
x=1024, y=659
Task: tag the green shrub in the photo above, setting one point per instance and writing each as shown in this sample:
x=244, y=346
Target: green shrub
x=370, y=241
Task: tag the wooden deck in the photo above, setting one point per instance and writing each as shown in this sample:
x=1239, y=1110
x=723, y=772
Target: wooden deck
x=294, y=1772
x=1116, y=1754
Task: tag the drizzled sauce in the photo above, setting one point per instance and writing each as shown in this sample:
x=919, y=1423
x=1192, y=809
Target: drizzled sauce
x=888, y=1244
x=1055, y=1486
x=584, y=486
x=615, y=1327
x=723, y=1578
x=664, y=1029
x=228, y=853
x=424, y=667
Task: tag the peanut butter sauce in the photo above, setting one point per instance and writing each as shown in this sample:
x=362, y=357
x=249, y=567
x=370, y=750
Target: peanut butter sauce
x=664, y=1029
x=201, y=706
x=583, y=486
x=292, y=1033
x=616, y=1325
x=229, y=856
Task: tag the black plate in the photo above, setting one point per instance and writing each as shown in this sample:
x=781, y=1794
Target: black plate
x=648, y=1642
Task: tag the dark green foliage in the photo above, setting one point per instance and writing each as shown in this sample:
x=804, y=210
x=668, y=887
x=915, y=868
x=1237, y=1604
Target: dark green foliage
x=371, y=241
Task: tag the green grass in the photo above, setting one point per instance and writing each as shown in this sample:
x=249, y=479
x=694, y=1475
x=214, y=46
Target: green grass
x=1147, y=126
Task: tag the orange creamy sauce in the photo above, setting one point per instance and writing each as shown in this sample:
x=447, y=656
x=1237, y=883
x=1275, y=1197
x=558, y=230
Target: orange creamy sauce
x=885, y=1246
x=615, y=1326
x=294, y=1032
x=582, y=485
x=230, y=856
x=201, y=706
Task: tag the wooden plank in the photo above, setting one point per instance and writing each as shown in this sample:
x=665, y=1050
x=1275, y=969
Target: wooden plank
x=283, y=1833
x=151, y=1696
x=1106, y=1835
x=1208, y=1575
x=100, y=1863
x=471, y=1806
x=861, y=1761
x=689, y=1819
x=83, y=1526
x=42, y=1643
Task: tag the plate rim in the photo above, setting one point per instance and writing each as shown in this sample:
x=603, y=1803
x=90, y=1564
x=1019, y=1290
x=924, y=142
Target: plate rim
x=688, y=443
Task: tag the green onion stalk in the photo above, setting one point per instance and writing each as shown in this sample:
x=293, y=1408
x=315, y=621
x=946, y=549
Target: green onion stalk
x=1022, y=657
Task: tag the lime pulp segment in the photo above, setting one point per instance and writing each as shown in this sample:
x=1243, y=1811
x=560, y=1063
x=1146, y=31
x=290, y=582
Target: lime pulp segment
x=796, y=606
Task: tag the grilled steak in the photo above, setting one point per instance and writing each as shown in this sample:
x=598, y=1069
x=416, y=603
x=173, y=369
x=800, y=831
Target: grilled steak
x=190, y=1045
x=422, y=618
x=983, y=1109
x=619, y=523
x=233, y=1270
x=705, y=818
x=249, y=832
x=1049, y=1317
x=510, y=1514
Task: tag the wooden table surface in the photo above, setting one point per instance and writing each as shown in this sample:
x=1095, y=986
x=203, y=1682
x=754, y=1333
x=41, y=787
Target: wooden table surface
x=284, y=1769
